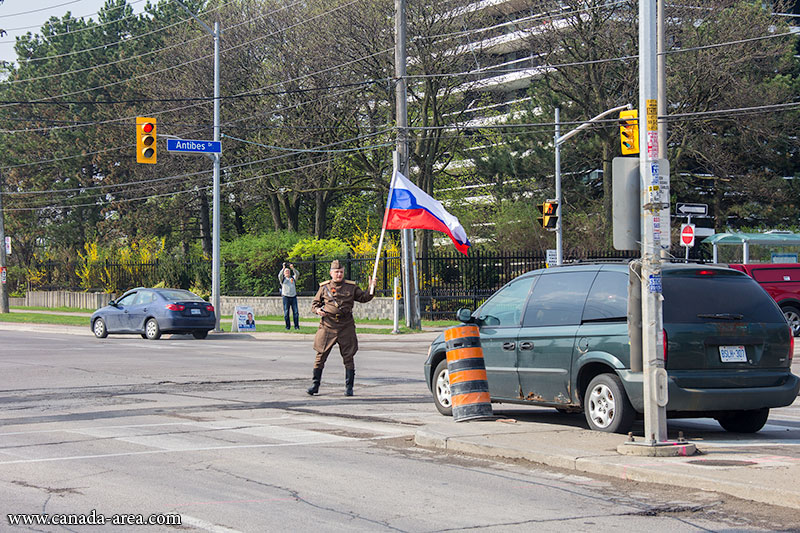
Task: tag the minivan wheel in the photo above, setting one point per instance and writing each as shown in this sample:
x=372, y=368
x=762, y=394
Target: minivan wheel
x=744, y=421
x=792, y=315
x=441, y=389
x=606, y=405
x=151, y=330
x=200, y=334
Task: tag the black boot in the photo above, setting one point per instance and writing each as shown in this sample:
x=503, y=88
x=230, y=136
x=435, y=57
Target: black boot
x=314, y=388
x=349, y=378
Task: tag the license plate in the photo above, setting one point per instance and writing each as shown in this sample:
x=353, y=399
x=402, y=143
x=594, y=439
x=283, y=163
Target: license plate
x=195, y=311
x=732, y=354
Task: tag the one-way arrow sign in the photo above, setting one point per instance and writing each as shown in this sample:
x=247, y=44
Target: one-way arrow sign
x=694, y=210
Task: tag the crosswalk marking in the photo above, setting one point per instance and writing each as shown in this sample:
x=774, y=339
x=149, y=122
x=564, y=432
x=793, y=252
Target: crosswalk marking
x=206, y=436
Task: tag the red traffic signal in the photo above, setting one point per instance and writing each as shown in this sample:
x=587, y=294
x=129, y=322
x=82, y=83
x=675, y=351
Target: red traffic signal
x=146, y=140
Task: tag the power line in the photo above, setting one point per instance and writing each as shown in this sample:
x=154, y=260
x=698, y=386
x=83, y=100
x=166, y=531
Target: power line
x=205, y=57
x=729, y=43
x=193, y=98
x=175, y=193
x=131, y=39
x=40, y=9
x=233, y=123
x=37, y=26
x=226, y=168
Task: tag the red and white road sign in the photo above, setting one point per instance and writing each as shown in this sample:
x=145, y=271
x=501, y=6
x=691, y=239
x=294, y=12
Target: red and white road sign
x=687, y=235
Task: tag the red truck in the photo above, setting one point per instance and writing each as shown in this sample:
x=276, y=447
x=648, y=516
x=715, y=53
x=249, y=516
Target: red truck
x=782, y=282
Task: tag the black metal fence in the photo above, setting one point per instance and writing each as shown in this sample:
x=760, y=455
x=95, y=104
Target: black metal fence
x=447, y=281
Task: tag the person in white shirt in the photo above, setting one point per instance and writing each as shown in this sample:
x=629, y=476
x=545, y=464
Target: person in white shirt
x=288, y=280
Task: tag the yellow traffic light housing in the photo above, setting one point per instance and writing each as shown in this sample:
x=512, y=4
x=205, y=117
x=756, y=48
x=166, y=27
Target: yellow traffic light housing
x=629, y=131
x=548, y=220
x=146, y=140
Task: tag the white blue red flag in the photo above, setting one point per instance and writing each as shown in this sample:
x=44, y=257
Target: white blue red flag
x=409, y=207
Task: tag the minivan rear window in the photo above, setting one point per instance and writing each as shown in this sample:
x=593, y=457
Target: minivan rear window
x=691, y=298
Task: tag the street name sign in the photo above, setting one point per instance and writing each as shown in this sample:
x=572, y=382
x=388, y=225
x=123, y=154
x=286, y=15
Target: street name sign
x=693, y=210
x=194, y=146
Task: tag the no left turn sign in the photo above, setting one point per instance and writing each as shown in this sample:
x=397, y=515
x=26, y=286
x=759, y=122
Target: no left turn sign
x=687, y=235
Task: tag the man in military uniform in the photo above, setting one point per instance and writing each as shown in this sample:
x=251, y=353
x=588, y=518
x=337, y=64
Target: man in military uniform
x=334, y=304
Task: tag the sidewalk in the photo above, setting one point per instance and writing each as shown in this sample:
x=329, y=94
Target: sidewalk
x=427, y=336
x=310, y=322
x=764, y=467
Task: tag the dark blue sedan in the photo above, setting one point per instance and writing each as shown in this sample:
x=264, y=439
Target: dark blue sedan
x=151, y=312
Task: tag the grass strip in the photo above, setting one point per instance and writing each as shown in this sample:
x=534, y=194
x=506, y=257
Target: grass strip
x=67, y=320
x=38, y=318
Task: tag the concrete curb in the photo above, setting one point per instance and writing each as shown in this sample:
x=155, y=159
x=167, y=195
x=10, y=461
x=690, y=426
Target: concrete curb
x=545, y=447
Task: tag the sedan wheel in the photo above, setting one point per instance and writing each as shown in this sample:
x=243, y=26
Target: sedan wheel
x=606, y=405
x=441, y=389
x=792, y=315
x=99, y=329
x=151, y=330
x=202, y=334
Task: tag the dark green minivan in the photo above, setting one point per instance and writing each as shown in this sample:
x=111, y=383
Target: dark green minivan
x=559, y=337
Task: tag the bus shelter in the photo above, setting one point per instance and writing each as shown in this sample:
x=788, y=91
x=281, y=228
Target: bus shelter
x=774, y=238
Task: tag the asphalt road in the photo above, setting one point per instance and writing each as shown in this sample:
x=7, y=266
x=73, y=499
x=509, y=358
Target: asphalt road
x=221, y=433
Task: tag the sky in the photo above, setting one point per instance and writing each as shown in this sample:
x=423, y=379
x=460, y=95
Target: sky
x=19, y=17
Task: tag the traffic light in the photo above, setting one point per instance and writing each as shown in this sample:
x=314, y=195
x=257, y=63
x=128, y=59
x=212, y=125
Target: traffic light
x=146, y=140
x=629, y=131
x=548, y=219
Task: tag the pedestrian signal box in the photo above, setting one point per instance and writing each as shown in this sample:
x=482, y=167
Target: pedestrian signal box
x=629, y=131
x=146, y=140
x=548, y=219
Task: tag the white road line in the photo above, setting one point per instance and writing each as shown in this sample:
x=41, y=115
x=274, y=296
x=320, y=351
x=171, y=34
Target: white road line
x=183, y=450
x=199, y=523
x=233, y=421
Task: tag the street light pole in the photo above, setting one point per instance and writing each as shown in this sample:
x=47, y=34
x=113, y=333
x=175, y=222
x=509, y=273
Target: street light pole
x=215, y=216
x=558, y=141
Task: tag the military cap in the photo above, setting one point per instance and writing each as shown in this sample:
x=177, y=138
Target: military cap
x=336, y=265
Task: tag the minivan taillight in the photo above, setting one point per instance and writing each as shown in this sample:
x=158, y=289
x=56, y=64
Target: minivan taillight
x=176, y=307
x=210, y=308
x=665, y=346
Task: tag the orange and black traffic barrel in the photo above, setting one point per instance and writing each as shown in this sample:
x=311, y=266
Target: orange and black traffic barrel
x=469, y=389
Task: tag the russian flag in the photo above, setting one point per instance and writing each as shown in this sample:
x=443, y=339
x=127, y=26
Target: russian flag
x=409, y=207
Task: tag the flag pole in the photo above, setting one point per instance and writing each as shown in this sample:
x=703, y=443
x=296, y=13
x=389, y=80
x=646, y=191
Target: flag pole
x=383, y=230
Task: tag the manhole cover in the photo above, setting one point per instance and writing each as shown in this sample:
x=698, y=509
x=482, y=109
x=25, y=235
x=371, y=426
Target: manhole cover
x=720, y=462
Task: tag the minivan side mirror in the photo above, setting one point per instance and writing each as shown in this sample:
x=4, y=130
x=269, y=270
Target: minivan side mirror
x=464, y=315
x=112, y=303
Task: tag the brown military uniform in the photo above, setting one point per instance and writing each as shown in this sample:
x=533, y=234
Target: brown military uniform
x=337, y=326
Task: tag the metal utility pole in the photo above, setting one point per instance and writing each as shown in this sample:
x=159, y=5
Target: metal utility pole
x=215, y=216
x=662, y=83
x=558, y=141
x=3, y=291
x=559, y=219
x=215, y=254
x=655, y=376
x=410, y=291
